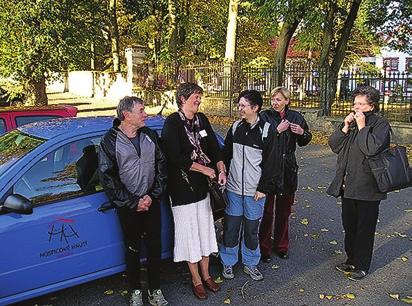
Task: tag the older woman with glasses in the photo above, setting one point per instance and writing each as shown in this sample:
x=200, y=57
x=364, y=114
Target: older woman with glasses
x=193, y=156
x=362, y=134
x=291, y=129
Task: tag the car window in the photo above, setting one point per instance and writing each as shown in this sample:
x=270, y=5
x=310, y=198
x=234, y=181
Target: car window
x=15, y=145
x=71, y=170
x=2, y=126
x=22, y=120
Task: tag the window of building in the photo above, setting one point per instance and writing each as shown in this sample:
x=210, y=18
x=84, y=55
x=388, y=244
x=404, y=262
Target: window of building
x=391, y=63
x=408, y=64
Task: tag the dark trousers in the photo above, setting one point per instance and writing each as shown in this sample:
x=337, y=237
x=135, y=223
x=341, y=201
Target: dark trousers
x=283, y=209
x=134, y=226
x=359, y=221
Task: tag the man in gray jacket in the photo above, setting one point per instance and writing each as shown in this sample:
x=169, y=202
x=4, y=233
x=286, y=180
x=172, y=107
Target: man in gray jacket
x=133, y=174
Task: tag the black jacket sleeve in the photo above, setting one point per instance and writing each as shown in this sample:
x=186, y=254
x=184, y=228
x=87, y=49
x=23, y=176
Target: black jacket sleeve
x=338, y=140
x=172, y=146
x=228, y=148
x=109, y=176
x=373, y=140
x=160, y=183
x=270, y=164
x=306, y=137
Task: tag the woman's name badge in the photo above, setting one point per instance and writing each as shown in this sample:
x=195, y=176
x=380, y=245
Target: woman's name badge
x=203, y=133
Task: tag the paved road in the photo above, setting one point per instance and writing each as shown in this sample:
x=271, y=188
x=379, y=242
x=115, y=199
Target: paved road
x=309, y=272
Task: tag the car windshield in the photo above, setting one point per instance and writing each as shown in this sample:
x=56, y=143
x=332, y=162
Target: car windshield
x=14, y=145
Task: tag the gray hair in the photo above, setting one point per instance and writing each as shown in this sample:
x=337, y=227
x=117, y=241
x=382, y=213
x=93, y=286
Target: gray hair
x=126, y=104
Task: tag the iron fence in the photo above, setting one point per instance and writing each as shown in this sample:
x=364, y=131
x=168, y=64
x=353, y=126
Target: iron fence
x=308, y=85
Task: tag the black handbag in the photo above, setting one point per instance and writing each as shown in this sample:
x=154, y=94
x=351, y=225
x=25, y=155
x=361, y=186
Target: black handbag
x=391, y=169
x=218, y=197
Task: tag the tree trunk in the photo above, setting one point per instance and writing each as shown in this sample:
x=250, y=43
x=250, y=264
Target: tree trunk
x=231, y=31
x=172, y=36
x=285, y=36
x=36, y=92
x=326, y=91
x=114, y=35
x=340, y=51
x=343, y=40
x=327, y=35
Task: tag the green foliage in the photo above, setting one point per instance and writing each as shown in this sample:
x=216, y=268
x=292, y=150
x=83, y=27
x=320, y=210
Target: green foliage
x=39, y=37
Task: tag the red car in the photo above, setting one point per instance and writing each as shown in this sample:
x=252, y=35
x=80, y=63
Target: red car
x=12, y=117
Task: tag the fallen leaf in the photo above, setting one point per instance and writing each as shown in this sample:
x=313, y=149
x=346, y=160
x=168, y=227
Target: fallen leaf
x=227, y=301
x=394, y=296
x=275, y=267
x=401, y=235
x=218, y=280
x=108, y=292
x=124, y=292
x=324, y=230
x=407, y=299
x=334, y=242
x=314, y=236
x=321, y=296
x=310, y=188
x=338, y=252
x=408, y=210
x=329, y=297
x=304, y=221
x=350, y=296
x=404, y=258
x=301, y=290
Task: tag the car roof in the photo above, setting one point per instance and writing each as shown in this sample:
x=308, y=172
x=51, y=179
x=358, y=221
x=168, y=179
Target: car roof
x=37, y=108
x=74, y=126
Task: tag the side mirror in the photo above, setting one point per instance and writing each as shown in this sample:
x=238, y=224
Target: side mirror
x=16, y=203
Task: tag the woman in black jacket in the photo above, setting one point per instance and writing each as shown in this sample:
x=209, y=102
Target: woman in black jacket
x=361, y=135
x=291, y=129
x=192, y=154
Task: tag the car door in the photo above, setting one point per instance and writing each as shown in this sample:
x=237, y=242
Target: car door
x=66, y=240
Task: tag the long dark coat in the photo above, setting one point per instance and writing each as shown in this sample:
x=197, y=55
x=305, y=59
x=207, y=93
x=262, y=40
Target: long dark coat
x=354, y=178
x=285, y=149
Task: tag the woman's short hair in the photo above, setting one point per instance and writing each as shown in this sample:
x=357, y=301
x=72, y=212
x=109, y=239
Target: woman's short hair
x=126, y=104
x=185, y=90
x=253, y=97
x=372, y=96
x=282, y=90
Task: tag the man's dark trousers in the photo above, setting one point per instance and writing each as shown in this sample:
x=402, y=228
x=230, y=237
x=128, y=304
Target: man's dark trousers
x=134, y=225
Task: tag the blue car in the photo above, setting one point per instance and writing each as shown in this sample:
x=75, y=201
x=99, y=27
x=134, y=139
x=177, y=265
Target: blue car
x=57, y=227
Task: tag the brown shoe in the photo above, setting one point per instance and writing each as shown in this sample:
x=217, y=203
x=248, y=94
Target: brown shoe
x=199, y=291
x=211, y=285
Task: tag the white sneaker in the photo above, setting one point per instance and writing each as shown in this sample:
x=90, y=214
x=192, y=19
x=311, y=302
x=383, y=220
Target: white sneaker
x=157, y=298
x=228, y=272
x=136, y=298
x=253, y=272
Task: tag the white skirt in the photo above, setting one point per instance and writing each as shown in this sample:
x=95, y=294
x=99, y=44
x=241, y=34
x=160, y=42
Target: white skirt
x=194, y=231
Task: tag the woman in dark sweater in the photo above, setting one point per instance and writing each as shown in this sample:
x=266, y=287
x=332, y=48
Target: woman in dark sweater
x=362, y=134
x=193, y=154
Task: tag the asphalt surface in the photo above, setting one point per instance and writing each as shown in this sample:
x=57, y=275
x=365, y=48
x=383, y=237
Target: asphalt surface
x=308, y=277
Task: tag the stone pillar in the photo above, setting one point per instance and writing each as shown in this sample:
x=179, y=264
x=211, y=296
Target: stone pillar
x=137, y=68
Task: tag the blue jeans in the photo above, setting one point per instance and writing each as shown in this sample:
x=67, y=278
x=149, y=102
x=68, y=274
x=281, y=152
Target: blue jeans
x=242, y=220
